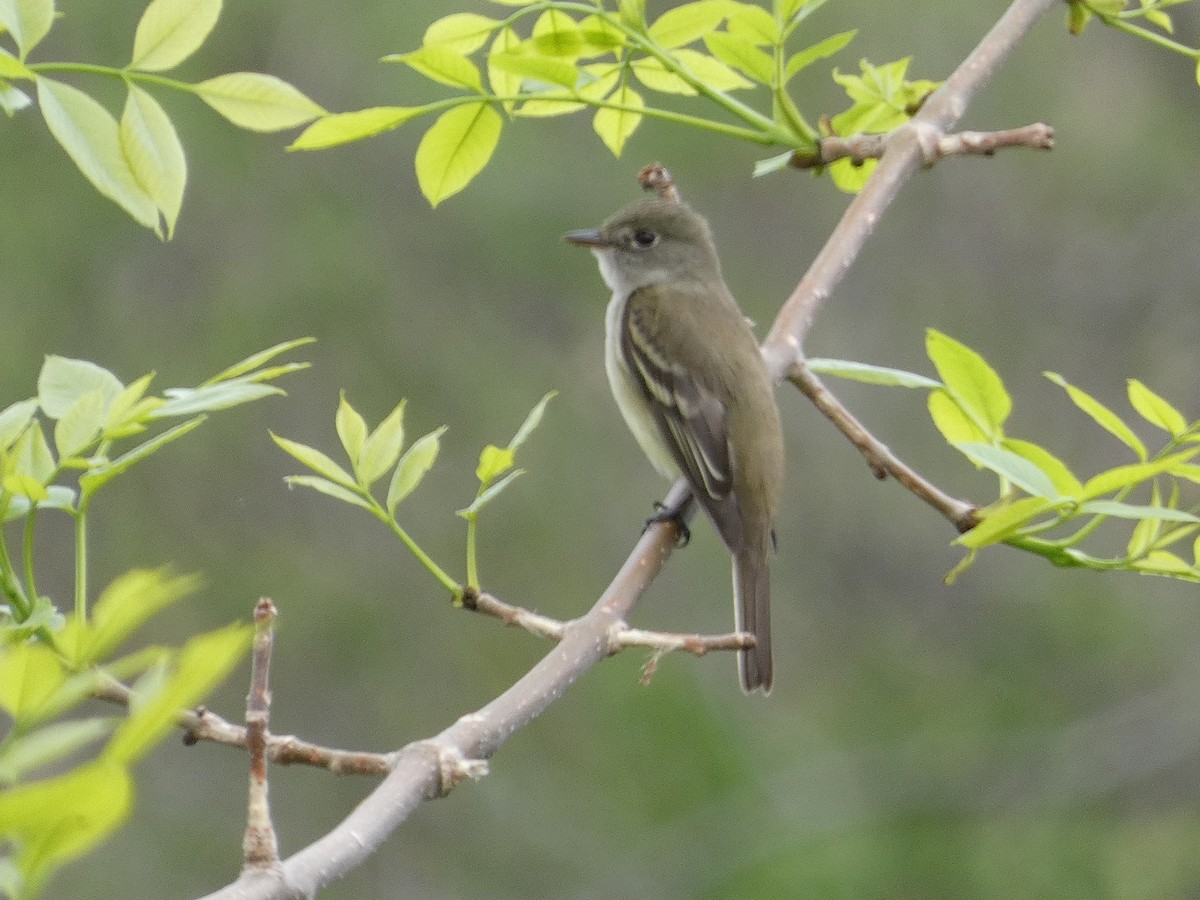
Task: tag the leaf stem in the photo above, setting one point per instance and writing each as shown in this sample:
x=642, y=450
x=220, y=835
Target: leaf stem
x=472, y=557
x=113, y=72
x=422, y=557
x=81, y=563
x=27, y=550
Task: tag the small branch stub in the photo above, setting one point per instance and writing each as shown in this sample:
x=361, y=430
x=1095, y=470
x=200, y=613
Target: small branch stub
x=656, y=178
x=935, y=145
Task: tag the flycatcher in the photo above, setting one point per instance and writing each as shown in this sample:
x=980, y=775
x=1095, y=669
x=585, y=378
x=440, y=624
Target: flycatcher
x=687, y=374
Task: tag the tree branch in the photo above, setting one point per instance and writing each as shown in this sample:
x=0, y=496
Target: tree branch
x=861, y=147
x=427, y=769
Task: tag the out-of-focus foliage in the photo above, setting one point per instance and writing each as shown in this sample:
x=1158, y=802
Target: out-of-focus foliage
x=52, y=661
x=138, y=162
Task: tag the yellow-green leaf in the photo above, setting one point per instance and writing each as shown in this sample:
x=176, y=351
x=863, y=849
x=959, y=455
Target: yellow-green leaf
x=443, y=65
x=28, y=21
x=382, y=447
x=971, y=381
x=1064, y=480
x=59, y=818
x=1005, y=522
x=711, y=70
x=549, y=69
x=170, y=31
x=155, y=153
x=954, y=424
x=1155, y=410
x=257, y=102
x=1101, y=415
x=816, y=52
x=316, y=460
x=455, y=149
x=751, y=23
x=689, y=22
x=11, y=67
x=89, y=134
x=653, y=74
x=741, y=54
x=342, y=128
x=504, y=83
x=616, y=125
x=417, y=460
x=556, y=34
x=80, y=424
x=493, y=462
x=351, y=428
x=1163, y=562
x=462, y=32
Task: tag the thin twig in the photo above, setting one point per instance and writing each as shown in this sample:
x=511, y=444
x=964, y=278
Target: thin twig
x=858, y=148
x=260, y=846
x=656, y=178
x=879, y=457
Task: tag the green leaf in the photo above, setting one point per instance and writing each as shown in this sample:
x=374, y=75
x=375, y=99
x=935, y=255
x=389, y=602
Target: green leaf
x=503, y=82
x=62, y=381
x=851, y=178
x=951, y=420
x=1163, y=562
x=1005, y=522
x=252, y=362
x=443, y=65
x=550, y=103
x=1101, y=414
x=257, y=102
x=1126, y=476
x=455, y=149
x=80, y=425
x=15, y=419
x=817, y=52
x=343, y=128
x=1155, y=410
x=742, y=55
x=154, y=153
x=123, y=607
x=461, y=32
x=773, y=164
x=57, y=819
x=126, y=410
x=1016, y=469
x=48, y=745
x=416, y=462
x=31, y=675
x=599, y=36
x=548, y=69
x=531, y=421
x=493, y=462
x=868, y=374
x=654, y=74
x=751, y=23
x=96, y=478
x=632, y=13
x=689, y=22
x=28, y=21
x=487, y=496
x=31, y=455
x=711, y=71
x=1064, y=480
x=556, y=34
x=352, y=431
x=210, y=398
x=383, y=447
x=202, y=664
x=91, y=138
x=317, y=461
x=614, y=126
x=22, y=484
x=170, y=31
x=12, y=101
x=1078, y=16
x=971, y=382
x=325, y=486
x=11, y=67
x=1120, y=510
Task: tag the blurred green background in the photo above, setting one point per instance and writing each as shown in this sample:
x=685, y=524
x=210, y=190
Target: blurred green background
x=1027, y=732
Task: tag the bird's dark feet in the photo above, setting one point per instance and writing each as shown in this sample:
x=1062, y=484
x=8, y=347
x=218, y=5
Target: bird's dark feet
x=674, y=514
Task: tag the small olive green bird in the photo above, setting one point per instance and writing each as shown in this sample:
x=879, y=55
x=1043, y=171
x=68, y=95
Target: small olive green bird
x=688, y=377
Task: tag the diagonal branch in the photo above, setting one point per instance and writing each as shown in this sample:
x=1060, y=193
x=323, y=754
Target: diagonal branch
x=428, y=769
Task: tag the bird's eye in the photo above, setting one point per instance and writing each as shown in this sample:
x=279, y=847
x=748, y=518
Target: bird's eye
x=644, y=238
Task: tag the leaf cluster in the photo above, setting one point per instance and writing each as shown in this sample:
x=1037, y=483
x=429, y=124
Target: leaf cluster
x=552, y=58
x=373, y=453
x=82, y=429
x=138, y=161
x=1043, y=506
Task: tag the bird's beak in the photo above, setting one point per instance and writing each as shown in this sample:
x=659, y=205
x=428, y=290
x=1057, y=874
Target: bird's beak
x=588, y=237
